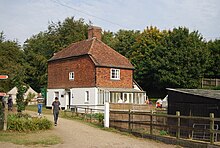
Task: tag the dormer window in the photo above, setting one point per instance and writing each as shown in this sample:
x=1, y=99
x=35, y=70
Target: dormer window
x=71, y=76
x=115, y=74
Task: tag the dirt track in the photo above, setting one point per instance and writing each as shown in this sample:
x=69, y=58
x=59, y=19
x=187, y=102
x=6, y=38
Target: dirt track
x=79, y=135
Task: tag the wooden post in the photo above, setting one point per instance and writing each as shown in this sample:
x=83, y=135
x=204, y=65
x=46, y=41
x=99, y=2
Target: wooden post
x=5, y=116
x=90, y=115
x=76, y=109
x=151, y=122
x=212, y=136
x=85, y=114
x=202, y=83
x=129, y=120
x=178, y=125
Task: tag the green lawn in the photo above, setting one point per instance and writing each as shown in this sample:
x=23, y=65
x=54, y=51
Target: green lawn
x=34, y=108
x=43, y=138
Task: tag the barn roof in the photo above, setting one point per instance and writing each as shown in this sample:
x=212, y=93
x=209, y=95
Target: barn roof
x=214, y=94
x=100, y=53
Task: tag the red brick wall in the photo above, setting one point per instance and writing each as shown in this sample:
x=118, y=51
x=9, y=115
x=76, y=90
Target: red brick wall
x=103, y=78
x=83, y=68
x=95, y=32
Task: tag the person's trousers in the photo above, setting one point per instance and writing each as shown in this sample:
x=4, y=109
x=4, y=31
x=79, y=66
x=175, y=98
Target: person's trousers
x=39, y=108
x=55, y=115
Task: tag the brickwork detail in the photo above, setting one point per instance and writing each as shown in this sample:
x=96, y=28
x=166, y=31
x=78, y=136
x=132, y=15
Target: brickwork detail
x=103, y=78
x=83, y=68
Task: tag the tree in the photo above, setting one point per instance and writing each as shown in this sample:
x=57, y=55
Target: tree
x=11, y=61
x=213, y=69
x=143, y=57
x=22, y=88
x=41, y=47
x=175, y=58
x=185, y=59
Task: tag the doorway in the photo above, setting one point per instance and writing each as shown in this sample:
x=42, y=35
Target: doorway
x=128, y=97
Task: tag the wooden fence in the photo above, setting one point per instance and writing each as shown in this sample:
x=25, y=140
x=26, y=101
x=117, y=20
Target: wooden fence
x=91, y=113
x=148, y=123
x=206, y=82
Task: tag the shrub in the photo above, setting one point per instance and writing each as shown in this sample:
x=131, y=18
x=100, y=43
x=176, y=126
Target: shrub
x=99, y=117
x=24, y=122
x=163, y=133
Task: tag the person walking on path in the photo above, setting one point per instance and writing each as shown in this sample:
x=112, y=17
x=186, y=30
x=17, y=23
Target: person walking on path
x=40, y=101
x=55, y=109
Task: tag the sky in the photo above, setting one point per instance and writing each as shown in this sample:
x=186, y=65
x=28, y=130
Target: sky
x=21, y=19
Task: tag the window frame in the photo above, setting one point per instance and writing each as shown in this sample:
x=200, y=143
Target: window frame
x=116, y=73
x=87, y=96
x=71, y=75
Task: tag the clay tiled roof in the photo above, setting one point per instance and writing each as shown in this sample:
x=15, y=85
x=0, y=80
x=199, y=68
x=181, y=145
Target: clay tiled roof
x=100, y=53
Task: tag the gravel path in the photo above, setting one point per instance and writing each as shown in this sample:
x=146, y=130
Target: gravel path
x=79, y=135
x=76, y=134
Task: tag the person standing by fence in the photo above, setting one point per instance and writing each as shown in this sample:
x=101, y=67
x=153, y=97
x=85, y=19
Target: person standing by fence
x=40, y=101
x=55, y=109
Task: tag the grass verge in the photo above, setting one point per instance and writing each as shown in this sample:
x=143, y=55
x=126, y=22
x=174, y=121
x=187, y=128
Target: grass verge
x=34, y=109
x=43, y=138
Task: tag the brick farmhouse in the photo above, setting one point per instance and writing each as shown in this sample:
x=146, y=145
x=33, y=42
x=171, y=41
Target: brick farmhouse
x=90, y=72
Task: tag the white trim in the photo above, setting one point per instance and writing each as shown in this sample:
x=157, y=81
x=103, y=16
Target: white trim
x=71, y=75
x=117, y=74
x=87, y=97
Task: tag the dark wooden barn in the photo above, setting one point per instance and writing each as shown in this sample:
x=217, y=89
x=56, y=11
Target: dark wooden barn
x=193, y=102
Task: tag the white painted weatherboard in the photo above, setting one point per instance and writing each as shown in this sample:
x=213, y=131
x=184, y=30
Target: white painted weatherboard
x=51, y=94
x=78, y=96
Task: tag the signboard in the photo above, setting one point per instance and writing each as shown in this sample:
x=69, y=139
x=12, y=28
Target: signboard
x=3, y=76
x=2, y=94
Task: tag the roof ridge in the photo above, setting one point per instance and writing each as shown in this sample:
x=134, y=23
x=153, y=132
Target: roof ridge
x=93, y=40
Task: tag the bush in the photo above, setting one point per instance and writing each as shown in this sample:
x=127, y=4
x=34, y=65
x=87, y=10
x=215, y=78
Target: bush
x=162, y=133
x=24, y=122
x=99, y=117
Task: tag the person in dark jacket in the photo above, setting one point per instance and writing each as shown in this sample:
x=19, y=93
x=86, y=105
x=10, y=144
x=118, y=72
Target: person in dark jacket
x=55, y=108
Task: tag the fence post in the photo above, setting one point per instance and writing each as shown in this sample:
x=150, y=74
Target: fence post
x=76, y=109
x=106, y=115
x=178, y=125
x=212, y=128
x=91, y=115
x=129, y=120
x=151, y=122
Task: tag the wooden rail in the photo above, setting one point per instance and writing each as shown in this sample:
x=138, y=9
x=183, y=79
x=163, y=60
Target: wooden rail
x=86, y=111
x=177, y=127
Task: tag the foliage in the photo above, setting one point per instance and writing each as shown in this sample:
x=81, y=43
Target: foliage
x=41, y=47
x=29, y=97
x=162, y=58
x=23, y=123
x=173, y=58
x=22, y=88
x=11, y=62
x=217, y=88
x=213, y=69
x=99, y=117
x=162, y=133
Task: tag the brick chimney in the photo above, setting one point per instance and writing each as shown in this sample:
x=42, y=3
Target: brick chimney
x=94, y=31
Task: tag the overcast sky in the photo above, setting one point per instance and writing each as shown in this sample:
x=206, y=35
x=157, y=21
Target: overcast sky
x=20, y=19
